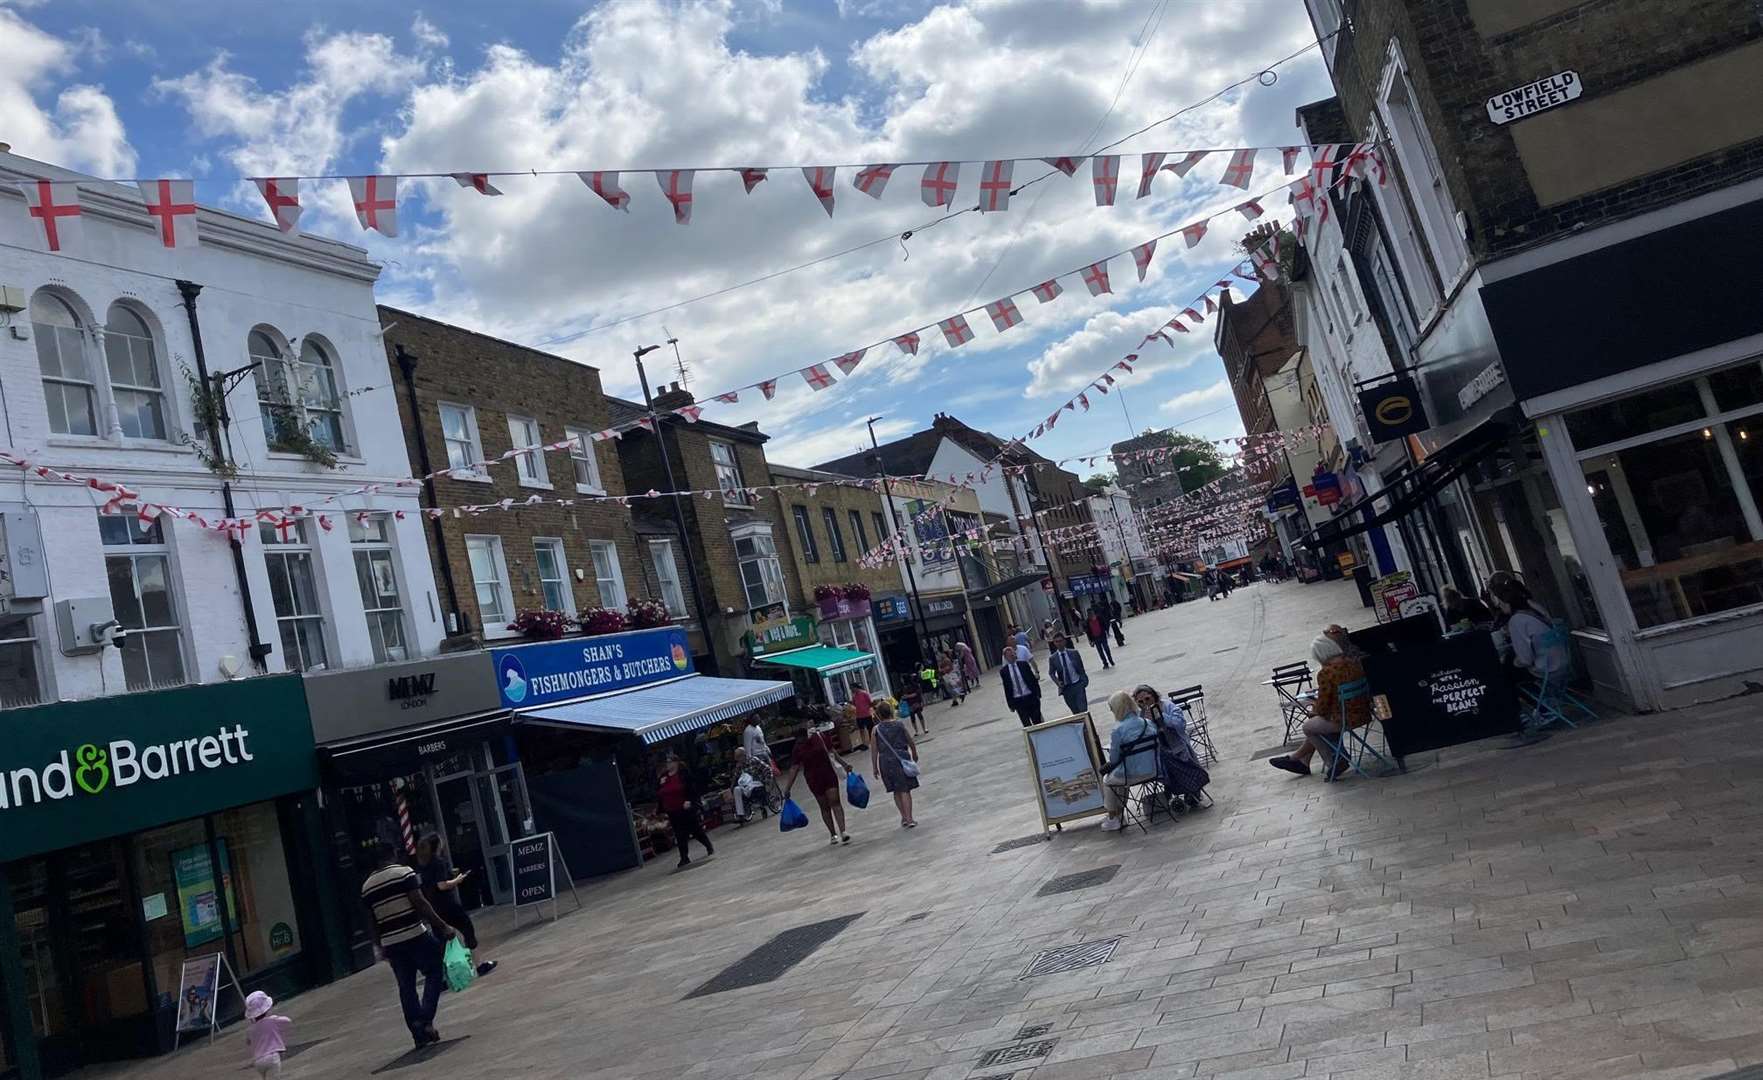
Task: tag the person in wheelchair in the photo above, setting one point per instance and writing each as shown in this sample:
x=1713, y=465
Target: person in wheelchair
x=752, y=777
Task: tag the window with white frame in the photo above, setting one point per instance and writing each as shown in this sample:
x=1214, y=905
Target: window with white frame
x=553, y=571
x=1675, y=476
x=69, y=388
x=297, y=397
x=530, y=466
x=835, y=538
x=858, y=533
x=293, y=588
x=805, y=534
x=1327, y=20
x=315, y=374
x=728, y=472
x=1421, y=172
x=465, y=451
x=608, y=577
x=376, y=572
x=144, y=601
x=667, y=577
x=21, y=681
x=1416, y=279
x=584, y=461
x=762, y=579
x=133, y=367
x=489, y=576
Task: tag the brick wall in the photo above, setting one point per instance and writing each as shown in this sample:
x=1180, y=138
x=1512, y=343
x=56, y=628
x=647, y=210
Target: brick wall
x=843, y=501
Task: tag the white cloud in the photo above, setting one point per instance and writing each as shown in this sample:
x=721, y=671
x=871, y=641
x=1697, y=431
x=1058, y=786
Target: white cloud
x=1190, y=401
x=82, y=130
x=426, y=33
x=1089, y=352
x=810, y=440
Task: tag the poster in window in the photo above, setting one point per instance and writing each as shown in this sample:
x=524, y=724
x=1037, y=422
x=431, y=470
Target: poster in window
x=198, y=898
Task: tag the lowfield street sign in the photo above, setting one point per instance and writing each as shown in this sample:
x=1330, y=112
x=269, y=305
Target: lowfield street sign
x=1534, y=97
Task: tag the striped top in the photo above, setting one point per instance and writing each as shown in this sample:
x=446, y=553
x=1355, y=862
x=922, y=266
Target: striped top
x=386, y=892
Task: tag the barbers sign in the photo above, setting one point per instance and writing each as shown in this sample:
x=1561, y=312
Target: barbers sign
x=1534, y=97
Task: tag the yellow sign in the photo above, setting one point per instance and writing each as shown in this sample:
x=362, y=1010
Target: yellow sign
x=1395, y=410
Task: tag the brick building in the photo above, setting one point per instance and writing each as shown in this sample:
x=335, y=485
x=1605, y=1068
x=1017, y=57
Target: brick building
x=1255, y=337
x=1150, y=483
x=466, y=398
x=1555, y=170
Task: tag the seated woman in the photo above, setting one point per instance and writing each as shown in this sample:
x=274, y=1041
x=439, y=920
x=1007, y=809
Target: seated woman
x=1335, y=668
x=1183, y=774
x=1122, y=770
x=1526, y=625
x=1460, y=609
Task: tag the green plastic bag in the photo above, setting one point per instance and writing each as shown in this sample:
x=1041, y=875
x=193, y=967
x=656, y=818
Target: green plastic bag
x=456, y=962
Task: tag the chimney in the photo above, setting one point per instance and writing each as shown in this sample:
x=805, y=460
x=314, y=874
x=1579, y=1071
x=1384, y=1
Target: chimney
x=673, y=396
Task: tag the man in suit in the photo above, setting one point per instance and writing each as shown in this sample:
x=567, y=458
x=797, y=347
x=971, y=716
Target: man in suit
x=1067, y=669
x=1022, y=688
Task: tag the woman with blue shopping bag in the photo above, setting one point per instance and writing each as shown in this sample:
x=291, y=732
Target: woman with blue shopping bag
x=815, y=761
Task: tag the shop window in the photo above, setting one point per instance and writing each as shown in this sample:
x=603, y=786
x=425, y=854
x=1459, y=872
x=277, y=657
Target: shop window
x=376, y=573
x=553, y=575
x=583, y=461
x=728, y=472
x=667, y=576
x=858, y=533
x=21, y=681
x=465, y=451
x=530, y=466
x=761, y=578
x=805, y=534
x=293, y=587
x=144, y=601
x=134, y=375
x=608, y=577
x=489, y=575
x=72, y=917
x=835, y=538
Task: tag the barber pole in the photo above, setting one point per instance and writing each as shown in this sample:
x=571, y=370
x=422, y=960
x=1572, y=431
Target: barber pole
x=404, y=826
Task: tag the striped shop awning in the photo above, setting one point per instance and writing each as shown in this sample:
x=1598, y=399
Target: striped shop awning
x=654, y=713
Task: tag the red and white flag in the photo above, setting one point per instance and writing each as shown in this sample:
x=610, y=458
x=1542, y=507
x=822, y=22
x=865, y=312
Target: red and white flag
x=282, y=193
x=1141, y=256
x=376, y=203
x=1288, y=158
x=956, y=331
x=1004, y=314
x=1095, y=276
x=1251, y=209
x=1186, y=164
x=1105, y=176
x=729, y=398
x=476, y=181
x=751, y=178
x=1177, y=325
x=820, y=181
x=872, y=180
x=1322, y=163
x=1047, y=290
x=1365, y=162
x=1125, y=365
x=1084, y=400
x=1210, y=306
x=676, y=185
x=1194, y=233
x=1240, y=171
x=605, y=185
x=768, y=388
x=1194, y=315
x=908, y=343
x=172, y=205
x=1066, y=165
x=941, y=178
x=1152, y=162
x=817, y=376
x=1158, y=336
x=994, y=184
x=848, y=362
x=690, y=412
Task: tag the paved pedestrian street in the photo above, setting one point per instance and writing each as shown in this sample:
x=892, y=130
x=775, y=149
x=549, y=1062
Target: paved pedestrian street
x=1585, y=907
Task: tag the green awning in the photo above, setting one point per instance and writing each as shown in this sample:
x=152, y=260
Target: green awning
x=822, y=658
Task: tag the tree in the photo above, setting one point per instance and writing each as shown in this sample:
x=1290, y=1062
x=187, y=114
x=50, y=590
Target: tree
x=1101, y=479
x=1195, y=460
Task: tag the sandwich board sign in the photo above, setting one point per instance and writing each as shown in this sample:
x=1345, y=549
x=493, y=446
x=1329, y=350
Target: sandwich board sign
x=200, y=982
x=536, y=860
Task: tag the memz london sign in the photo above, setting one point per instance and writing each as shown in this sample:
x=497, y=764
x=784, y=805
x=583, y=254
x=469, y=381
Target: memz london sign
x=1534, y=97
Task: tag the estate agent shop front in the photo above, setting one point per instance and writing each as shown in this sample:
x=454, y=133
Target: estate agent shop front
x=138, y=833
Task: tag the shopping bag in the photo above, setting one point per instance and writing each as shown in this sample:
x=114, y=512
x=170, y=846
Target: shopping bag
x=791, y=817
x=856, y=791
x=456, y=962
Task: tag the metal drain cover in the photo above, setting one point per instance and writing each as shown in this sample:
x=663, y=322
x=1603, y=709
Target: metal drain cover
x=1033, y=1031
x=1006, y=1055
x=1071, y=957
x=1083, y=879
x=775, y=957
x=1021, y=842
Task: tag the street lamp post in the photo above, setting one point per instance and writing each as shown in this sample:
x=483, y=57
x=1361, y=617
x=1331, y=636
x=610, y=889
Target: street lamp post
x=679, y=514
x=906, y=552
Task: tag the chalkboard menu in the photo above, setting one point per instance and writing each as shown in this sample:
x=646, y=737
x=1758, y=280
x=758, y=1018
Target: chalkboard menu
x=1444, y=692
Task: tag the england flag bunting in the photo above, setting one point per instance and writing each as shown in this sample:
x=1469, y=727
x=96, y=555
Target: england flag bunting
x=768, y=388
x=1066, y=165
x=941, y=178
x=1124, y=365
x=476, y=181
x=1152, y=162
x=956, y=331
x=1095, y=276
x=1288, y=158
x=1240, y=170
x=1141, y=256
x=1158, y=336
x=605, y=185
x=1048, y=290
x=908, y=343
x=376, y=203
x=994, y=184
x=820, y=181
x=1322, y=164
x=752, y=178
x=1004, y=314
x=282, y=193
x=1084, y=400
x=1211, y=308
x=873, y=180
x=1194, y=315
x=1177, y=325
x=817, y=376
x=1182, y=167
x=1105, y=176
x=730, y=398
x=1194, y=233
x=690, y=412
x=676, y=185
x=1364, y=162
x=172, y=205
x=848, y=362
x=1251, y=209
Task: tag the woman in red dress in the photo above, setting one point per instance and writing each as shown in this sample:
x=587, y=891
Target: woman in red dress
x=814, y=759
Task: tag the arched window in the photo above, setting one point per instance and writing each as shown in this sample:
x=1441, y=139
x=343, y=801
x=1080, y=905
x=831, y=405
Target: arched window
x=317, y=379
x=272, y=382
x=134, y=374
x=297, y=395
x=68, y=387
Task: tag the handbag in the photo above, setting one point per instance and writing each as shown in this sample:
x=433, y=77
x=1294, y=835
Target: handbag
x=907, y=765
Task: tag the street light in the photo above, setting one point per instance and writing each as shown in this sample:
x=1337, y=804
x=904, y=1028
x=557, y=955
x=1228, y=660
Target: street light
x=888, y=500
x=679, y=514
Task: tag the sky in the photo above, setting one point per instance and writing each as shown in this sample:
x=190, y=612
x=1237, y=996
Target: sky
x=123, y=88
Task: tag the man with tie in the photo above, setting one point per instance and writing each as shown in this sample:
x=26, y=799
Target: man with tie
x=1067, y=669
x=1022, y=688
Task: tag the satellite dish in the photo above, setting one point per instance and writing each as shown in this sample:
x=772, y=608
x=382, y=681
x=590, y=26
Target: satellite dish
x=229, y=667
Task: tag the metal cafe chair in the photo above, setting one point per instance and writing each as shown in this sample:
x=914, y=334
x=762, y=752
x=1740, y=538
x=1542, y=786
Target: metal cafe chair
x=1193, y=700
x=1289, y=681
x=1139, y=800
x=1551, y=699
x=1350, y=744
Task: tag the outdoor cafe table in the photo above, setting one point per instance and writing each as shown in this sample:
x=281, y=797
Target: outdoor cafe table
x=1443, y=691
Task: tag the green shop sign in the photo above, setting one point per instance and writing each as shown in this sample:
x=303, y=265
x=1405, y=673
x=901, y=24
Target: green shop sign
x=83, y=770
x=781, y=636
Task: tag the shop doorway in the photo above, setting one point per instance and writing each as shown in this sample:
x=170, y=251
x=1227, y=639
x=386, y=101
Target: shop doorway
x=483, y=809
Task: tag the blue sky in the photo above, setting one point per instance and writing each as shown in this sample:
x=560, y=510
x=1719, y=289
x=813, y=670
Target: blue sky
x=137, y=88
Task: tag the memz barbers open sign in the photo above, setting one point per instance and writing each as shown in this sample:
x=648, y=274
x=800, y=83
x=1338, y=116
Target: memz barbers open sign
x=1534, y=97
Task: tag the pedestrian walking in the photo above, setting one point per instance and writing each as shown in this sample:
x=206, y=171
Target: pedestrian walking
x=956, y=680
x=409, y=932
x=1114, y=615
x=912, y=708
x=678, y=796
x=266, y=1037
x=969, y=665
x=927, y=675
x=440, y=885
x=1022, y=689
x=814, y=760
x=894, y=758
x=861, y=711
x=1067, y=669
x=1097, y=631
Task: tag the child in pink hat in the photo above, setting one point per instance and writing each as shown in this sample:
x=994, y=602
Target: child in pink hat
x=265, y=1035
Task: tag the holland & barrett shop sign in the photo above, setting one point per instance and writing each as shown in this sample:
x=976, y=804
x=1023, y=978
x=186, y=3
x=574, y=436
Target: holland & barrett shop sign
x=84, y=770
x=551, y=671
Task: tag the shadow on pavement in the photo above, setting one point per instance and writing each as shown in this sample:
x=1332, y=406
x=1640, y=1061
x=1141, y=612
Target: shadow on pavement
x=419, y=1055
